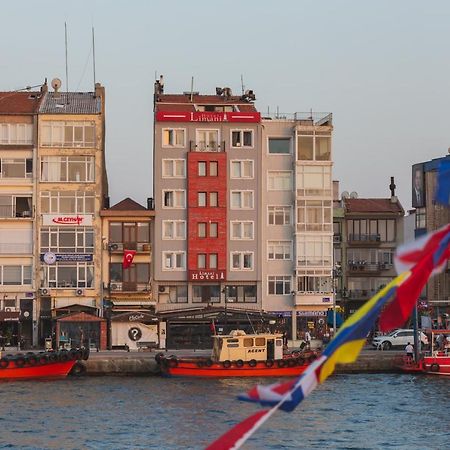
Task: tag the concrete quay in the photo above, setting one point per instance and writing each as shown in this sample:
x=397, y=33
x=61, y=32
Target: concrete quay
x=119, y=363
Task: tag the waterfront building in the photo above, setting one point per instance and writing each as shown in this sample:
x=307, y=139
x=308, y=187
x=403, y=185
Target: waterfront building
x=430, y=216
x=70, y=189
x=366, y=234
x=18, y=141
x=129, y=305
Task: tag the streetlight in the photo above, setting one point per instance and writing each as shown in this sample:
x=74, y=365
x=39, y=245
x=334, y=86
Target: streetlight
x=225, y=292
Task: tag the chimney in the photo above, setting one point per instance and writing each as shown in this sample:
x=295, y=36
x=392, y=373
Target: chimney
x=392, y=187
x=150, y=204
x=106, y=202
x=44, y=87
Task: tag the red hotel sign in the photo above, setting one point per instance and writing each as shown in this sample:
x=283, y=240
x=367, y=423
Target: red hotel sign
x=207, y=116
x=207, y=275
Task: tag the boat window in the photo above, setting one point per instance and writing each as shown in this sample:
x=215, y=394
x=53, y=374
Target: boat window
x=279, y=343
x=260, y=342
x=248, y=342
x=232, y=345
x=232, y=340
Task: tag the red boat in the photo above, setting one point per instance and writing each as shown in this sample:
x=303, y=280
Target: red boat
x=240, y=355
x=436, y=362
x=42, y=365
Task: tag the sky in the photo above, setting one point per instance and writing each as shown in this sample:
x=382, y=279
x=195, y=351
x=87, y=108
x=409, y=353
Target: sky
x=382, y=68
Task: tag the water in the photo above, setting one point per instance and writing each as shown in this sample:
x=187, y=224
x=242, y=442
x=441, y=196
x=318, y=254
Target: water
x=347, y=412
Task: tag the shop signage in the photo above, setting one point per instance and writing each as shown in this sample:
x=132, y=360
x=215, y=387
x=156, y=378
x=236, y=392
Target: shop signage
x=9, y=316
x=311, y=313
x=208, y=116
x=135, y=317
x=77, y=257
x=81, y=220
x=207, y=275
x=326, y=299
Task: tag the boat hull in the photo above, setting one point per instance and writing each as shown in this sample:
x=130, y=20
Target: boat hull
x=215, y=370
x=50, y=370
x=436, y=365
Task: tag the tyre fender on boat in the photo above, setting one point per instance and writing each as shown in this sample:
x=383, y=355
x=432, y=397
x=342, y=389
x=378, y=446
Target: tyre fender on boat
x=19, y=361
x=4, y=363
x=173, y=362
x=78, y=369
x=208, y=362
x=226, y=364
x=53, y=357
x=300, y=361
x=291, y=362
x=281, y=363
x=269, y=363
x=73, y=354
x=63, y=355
x=239, y=363
x=32, y=359
x=200, y=363
x=312, y=358
x=435, y=367
x=252, y=363
x=43, y=359
x=159, y=357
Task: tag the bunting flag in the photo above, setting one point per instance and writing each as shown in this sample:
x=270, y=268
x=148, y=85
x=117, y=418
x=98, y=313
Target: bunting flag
x=424, y=257
x=443, y=183
x=128, y=256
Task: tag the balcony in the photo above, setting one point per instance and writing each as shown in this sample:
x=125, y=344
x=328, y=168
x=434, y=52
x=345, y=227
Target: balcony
x=203, y=146
x=119, y=247
x=129, y=286
x=364, y=266
x=361, y=294
x=364, y=239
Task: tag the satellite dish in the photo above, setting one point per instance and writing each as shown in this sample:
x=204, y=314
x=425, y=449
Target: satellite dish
x=56, y=84
x=345, y=194
x=354, y=195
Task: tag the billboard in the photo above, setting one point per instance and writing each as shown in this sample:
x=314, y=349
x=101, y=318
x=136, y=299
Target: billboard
x=418, y=186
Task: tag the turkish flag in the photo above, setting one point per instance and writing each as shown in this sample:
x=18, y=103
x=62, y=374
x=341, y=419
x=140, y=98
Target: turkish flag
x=128, y=256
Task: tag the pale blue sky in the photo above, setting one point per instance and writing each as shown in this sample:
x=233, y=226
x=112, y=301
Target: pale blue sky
x=382, y=68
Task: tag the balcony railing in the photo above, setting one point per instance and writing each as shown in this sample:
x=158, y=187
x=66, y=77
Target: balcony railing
x=364, y=266
x=364, y=238
x=119, y=247
x=203, y=146
x=305, y=118
x=129, y=286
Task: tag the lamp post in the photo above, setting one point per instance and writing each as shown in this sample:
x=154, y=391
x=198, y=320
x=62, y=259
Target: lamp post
x=225, y=292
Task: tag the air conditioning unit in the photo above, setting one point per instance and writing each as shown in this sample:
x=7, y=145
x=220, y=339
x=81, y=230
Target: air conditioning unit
x=10, y=309
x=44, y=291
x=163, y=289
x=116, y=287
x=79, y=292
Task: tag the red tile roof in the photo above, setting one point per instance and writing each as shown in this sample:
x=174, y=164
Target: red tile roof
x=372, y=205
x=19, y=102
x=128, y=204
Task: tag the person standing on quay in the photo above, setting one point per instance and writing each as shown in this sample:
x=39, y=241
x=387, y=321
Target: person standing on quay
x=409, y=349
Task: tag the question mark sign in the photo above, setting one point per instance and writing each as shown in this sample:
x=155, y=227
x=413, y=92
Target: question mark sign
x=134, y=333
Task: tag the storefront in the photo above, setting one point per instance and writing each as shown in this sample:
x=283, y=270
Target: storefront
x=9, y=328
x=130, y=329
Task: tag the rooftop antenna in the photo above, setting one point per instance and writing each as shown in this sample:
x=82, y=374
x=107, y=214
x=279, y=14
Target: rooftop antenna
x=242, y=84
x=93, y=54
x=67, y=68
x=192, y=88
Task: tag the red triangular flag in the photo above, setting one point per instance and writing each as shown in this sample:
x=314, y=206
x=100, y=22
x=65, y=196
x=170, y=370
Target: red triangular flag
x=128, y=256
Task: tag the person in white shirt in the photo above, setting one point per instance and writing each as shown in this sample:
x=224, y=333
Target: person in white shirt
x=308, y=339
x=409, y=349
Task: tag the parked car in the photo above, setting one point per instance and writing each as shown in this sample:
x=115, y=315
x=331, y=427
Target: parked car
x=398, y=338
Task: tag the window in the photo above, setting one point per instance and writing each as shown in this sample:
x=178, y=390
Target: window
x=241, y=261
x=16, y=241
x=68, y=134
x=279, y=215
x=213, y=226
x=314, y=250
x=69, y=274
x=174, y=199
x=314, y=215
x=213, y=199
x=207, y=141
x=67, y=240
x=201, y=261
x=15, y=206
x=241, y=294
x=16, y=133
x=15, y=275
x=174, y=229
x=242, y=138
x=314, y=180
x=201, y=199
x=202, y=168
x=314, y=147
x=16, y=168
x=130, y=234
x=205, y=294
x=134, y=278
x=213, y=261
x=242, y=230
x=201, y=229
x=315, y=284
x=241, y=168
x=213, y=168
x=68, y=169
x=280, y=146
x=67, y=202
x=371, y=230
x=421, y=218
x=173, y=137
x=173, y=168
x=174, y=260
x=241, y=199
x=279, y=180
x=279, y=285
x=279, y=250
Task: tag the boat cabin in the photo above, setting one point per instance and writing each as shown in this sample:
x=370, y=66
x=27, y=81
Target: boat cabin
x=239, y=345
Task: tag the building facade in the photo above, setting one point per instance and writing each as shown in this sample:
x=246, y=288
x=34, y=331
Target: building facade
x=429, y=216
x=70, y=189
x=18, y=171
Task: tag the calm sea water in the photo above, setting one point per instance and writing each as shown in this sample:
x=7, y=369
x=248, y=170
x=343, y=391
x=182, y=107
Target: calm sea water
x=347, y=412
